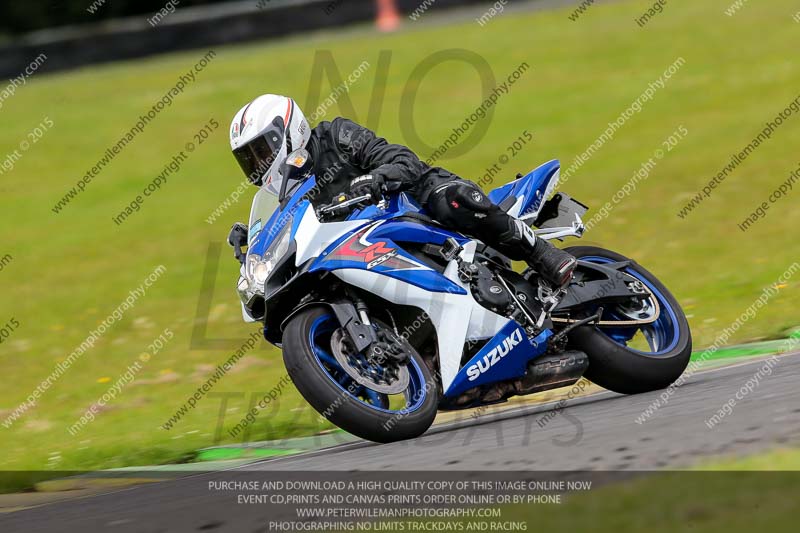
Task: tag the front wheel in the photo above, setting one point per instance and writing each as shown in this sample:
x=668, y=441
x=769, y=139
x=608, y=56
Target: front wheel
x=634, y=359
x=383, y=403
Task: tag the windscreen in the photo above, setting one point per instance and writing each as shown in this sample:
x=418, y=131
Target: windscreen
x=264, y=204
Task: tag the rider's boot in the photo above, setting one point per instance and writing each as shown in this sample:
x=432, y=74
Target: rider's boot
x=553, y=264
x=464, y=206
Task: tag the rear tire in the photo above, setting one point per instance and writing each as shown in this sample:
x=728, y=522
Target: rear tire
x=334, y=402
x=618, y=368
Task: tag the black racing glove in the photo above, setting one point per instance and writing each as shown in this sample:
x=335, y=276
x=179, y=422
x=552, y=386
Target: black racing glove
x=374, y=185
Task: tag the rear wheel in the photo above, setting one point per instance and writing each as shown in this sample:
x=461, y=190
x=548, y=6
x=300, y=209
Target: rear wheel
x=377, y=402
x=640, y=358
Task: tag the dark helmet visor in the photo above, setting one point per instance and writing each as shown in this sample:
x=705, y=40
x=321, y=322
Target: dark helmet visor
x=257, y=156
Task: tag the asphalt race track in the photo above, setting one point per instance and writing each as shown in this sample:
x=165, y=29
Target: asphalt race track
x=599, y=432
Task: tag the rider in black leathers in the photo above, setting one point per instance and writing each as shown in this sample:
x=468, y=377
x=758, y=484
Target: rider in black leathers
x=366, y=163
x=350, y=158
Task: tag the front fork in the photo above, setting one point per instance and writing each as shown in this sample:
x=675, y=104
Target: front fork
x=353, y=316
x=355, y=321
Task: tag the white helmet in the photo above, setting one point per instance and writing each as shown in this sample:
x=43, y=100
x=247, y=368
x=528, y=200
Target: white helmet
x=263, y=133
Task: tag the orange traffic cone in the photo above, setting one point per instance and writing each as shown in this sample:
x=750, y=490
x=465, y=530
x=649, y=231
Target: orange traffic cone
x=388, y=16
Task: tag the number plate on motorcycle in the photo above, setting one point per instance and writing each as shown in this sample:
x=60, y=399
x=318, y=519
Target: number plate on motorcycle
x=559, y=211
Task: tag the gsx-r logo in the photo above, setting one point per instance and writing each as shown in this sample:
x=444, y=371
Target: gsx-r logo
x=493, y=357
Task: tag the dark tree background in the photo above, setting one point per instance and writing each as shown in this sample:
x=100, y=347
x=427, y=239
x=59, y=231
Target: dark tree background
x=20, y=16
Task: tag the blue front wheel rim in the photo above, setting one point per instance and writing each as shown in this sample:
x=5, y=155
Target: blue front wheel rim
x=411, y=399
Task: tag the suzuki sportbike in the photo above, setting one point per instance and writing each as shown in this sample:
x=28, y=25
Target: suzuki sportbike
x=385, y=316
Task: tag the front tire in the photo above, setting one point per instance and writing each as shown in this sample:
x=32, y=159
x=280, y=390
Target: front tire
x=615, y=366
x=336, y=396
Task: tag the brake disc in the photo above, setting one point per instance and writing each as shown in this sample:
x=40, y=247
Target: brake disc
x=391, y=378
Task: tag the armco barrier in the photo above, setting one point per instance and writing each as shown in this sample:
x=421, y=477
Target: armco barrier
x=189, y=28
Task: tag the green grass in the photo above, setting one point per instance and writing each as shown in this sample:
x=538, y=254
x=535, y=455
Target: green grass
x=780, y=460
x=756, y=493
x=70, y=270
x=731, y=496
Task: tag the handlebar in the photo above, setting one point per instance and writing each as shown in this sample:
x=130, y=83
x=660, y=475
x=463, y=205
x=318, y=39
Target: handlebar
x=330, y=209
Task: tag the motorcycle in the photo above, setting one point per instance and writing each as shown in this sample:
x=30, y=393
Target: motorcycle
x=385, y=317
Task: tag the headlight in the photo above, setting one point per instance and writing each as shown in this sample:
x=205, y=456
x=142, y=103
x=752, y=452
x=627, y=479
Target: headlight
x=280, y=246
x=260, y=267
